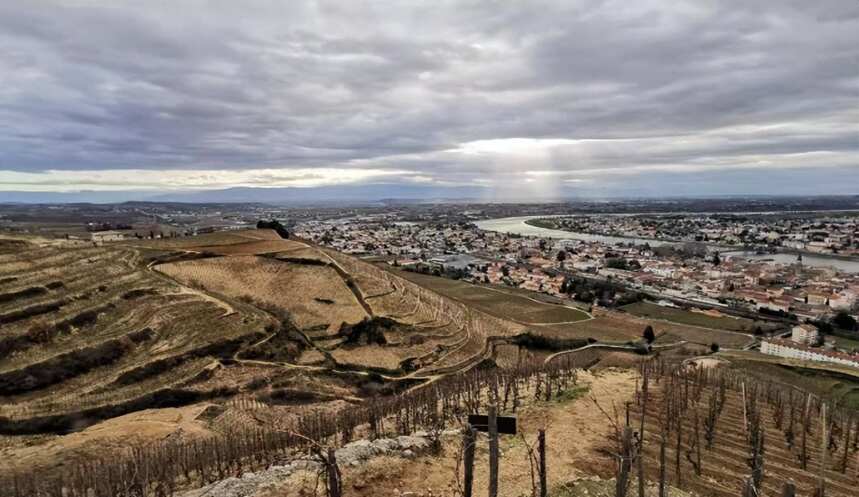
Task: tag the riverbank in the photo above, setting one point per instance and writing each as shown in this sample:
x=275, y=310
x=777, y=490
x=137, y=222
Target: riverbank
x=520, y=226
x=538, y=222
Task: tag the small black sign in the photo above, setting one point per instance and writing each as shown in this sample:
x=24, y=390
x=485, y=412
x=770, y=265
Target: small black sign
x=480, y=422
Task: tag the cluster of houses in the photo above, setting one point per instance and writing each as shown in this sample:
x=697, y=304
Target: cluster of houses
x=830, y=235
x=464, y=251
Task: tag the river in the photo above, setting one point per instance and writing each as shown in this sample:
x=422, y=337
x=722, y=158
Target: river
x=518, y=226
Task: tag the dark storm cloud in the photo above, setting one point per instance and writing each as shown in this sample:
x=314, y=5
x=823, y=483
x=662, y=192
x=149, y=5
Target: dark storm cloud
x=479, y=93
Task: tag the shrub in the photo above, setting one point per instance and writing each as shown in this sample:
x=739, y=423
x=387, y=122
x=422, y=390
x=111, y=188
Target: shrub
x=648, y=334
x=275, y=225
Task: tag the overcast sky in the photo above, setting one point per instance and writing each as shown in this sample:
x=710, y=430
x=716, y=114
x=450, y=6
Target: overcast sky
x=528, y=99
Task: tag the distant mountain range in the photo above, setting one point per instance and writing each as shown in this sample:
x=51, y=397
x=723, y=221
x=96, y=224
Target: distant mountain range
x=354, y=195
x=369, y=193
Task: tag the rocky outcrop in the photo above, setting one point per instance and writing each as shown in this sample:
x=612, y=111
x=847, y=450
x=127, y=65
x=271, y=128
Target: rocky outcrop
x=350, y=455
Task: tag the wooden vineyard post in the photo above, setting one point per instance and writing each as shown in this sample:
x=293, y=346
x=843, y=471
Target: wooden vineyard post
x=493, y=451
x=542, y=451
x=640, y=455
x=805, y=423
x=749, y=488
x=468, y=461
x=625, y=463
x=334, y=484
x=789, y=490
x=662, y=467
x=698, y=468
x=821, y=484
x=678, y=451
x=847, y=426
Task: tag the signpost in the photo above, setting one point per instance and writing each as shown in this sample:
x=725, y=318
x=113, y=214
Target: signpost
x=493, y=425
x=480, y=422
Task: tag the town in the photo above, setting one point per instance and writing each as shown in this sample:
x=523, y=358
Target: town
x=824, y=234
x=595, y=273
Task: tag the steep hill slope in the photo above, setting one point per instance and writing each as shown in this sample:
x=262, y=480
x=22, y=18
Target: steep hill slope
x=90, y=333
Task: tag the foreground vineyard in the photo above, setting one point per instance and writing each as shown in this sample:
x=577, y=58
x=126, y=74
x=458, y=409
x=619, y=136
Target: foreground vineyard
x=709, y=432
x=162, y=469
x=722, y=433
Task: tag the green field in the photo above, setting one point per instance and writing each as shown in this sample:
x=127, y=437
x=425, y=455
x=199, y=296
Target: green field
x=497, y=301
x=653, y=311
x=844, y=343
x=831, y=380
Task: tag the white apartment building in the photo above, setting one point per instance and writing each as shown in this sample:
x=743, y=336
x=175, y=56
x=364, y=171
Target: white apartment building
x=783, y=348
x=107, y=236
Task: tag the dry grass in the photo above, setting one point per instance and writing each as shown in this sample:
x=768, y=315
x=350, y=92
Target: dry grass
x=498, y=301
x=368, y=356
x=304, y=252
x=621, y=327
x=249, y=247
x=601, y=328
x=137, y=428
x=304, y=291
x=217, y=238
x=681, y=316
x=577, y=435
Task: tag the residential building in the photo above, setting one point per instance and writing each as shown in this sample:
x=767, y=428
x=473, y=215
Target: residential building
x=805, y=334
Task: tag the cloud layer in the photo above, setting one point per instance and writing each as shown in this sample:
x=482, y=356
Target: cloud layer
x=527, y=99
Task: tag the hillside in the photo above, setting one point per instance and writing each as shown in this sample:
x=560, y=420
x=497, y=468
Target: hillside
x=189, y=361
x=92, y=333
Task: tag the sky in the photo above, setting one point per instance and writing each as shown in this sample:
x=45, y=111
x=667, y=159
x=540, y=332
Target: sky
x=513, y=99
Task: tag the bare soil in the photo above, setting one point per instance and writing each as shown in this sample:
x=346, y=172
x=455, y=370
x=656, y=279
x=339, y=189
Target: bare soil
x=577, y=435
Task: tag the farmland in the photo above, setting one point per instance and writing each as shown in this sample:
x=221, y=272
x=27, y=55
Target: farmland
x=692, y=318
x=499, y=302
x=564, y=323
x=729, y=430
x=825, y=379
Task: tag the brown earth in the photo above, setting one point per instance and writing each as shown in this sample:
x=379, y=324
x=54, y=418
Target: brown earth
x=577, y=434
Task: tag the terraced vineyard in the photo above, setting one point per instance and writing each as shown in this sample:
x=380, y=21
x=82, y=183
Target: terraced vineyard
x=93, y=333
x=90, y=333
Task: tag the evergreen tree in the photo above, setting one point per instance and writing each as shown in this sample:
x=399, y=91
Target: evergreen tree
x=649, y=335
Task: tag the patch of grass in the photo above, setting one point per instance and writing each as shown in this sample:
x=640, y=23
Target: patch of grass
x=498, y=301
x=683, y=316
x=562, y=490
x=827, y=383
x=844, y=343
x=572, y=394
